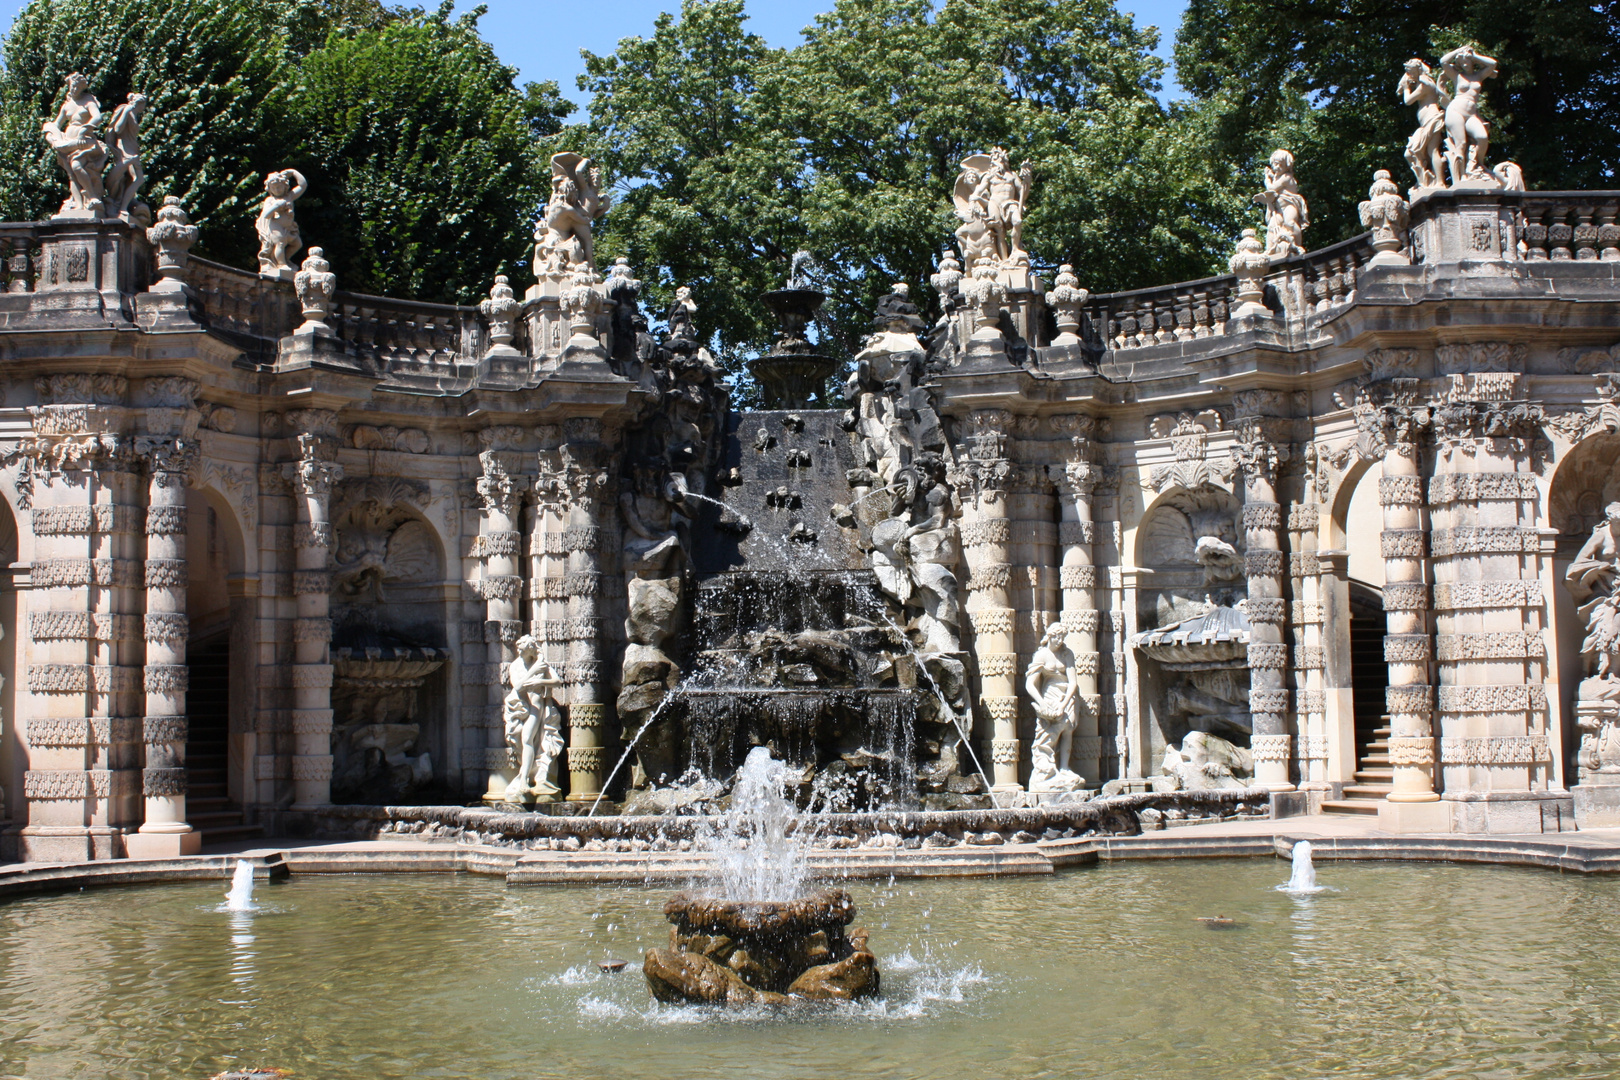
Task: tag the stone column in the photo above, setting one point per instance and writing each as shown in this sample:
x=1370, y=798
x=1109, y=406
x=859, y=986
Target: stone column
x=1495, y=757
x=170, y=455
x=1258, y=455
x=587, y=482
x=1310, y=703
x=1398, y=426
x=313, y=476
x=84, y=663
x=986, y=534
x=1078, y=579
x=501, y=489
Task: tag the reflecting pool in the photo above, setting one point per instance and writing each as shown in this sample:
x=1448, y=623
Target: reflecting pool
x=1396, y=971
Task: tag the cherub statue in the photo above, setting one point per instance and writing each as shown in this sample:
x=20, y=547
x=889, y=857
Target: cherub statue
x=128, y=173
x=563, y=240
x=1467, y=136
x=1425, y=149
x=1052, y=684
x=279, y=240
x=533, y=723
x=79, y=149
x=1286, y=213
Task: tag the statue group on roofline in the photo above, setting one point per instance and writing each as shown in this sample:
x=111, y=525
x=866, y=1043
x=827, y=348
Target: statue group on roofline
x=990, y=199
x=563, y=240
x=1452, y=137
x=84, y=152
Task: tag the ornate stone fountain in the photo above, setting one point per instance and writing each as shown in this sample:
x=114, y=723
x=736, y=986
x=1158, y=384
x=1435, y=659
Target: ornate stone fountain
x=793, y=374
x=760, y=938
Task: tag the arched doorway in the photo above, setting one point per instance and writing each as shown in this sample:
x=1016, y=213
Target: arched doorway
x=214, y=780
x=1358, y=525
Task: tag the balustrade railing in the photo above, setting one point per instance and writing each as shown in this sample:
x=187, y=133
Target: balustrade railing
x=1302, y=289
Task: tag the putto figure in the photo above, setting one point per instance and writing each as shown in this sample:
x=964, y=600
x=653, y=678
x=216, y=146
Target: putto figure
x=990, y=199
x=533, y=723
x=563, y=240
x=1467, y=136
x=1287, y=216
x=79, y=149
x=1425, y=150
x=278, y=229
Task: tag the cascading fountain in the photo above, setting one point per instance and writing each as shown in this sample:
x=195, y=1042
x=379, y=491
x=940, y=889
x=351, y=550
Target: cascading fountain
x=757, y=937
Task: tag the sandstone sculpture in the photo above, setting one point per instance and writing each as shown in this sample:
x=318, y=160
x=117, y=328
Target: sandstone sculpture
x=1425, y=151
x=79, y=149
x=1051, y=682
x=1286, y=213
x=315, y=285
x=762, y=952
x=1386, y=214
x=533, y=723
x=1592, y=581
x=128, y=172
x=990, y=199
x=279, y=240
x=563, y=238
x=1468, y=138
x=1204, y=762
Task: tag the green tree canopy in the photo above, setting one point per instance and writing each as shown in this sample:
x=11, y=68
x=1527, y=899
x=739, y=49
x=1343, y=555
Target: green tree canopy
x=424, y=158
x=731, y=156
x=1318, y=77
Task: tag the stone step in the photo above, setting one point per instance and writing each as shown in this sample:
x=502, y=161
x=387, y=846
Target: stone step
x=1349, y=806
x=1367, y=791
x=1375, y=776
x=217, y=819
x=221, y=834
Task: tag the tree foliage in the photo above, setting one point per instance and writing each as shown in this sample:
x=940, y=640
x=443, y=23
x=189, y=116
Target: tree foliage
x=731, y=156
x=1319, y=78
x=424, y=158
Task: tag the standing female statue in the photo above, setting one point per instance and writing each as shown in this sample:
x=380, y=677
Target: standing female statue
x=1425, y=149
x=1467, y=137
x=1051, y=681
x=78, y=147
x=533, y=723
x=128, y=173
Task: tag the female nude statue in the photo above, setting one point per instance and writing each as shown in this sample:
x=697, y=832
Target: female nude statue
x=1051, y=682
x=78, y=147
x=1467, y=137
x=1424, y=150
x=533, y=722
x=279, y=240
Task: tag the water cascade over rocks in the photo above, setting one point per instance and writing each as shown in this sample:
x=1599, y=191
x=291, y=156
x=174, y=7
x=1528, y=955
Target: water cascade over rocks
x=763, y=939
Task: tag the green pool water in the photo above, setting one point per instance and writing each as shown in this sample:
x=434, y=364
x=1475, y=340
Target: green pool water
x=1400, y=971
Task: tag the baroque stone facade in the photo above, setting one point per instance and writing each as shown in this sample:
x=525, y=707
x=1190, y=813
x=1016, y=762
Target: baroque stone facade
x=1094, y=524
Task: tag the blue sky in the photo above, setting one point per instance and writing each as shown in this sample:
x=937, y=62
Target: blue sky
x=542, y=38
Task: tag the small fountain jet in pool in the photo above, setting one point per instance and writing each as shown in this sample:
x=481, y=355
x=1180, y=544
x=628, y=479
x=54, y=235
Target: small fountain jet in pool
x=763, y=939
x=1302, y=882
x=240, y=898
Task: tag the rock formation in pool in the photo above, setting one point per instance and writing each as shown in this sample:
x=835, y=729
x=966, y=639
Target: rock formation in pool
x=739, y=952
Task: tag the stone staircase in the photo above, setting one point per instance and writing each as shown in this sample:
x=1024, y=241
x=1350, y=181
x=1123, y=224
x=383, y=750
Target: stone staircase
x=209, y=808
x=1374, y=778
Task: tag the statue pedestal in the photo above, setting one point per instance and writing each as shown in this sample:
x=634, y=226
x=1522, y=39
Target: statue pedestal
x=162, y=845
x=1597, y=801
